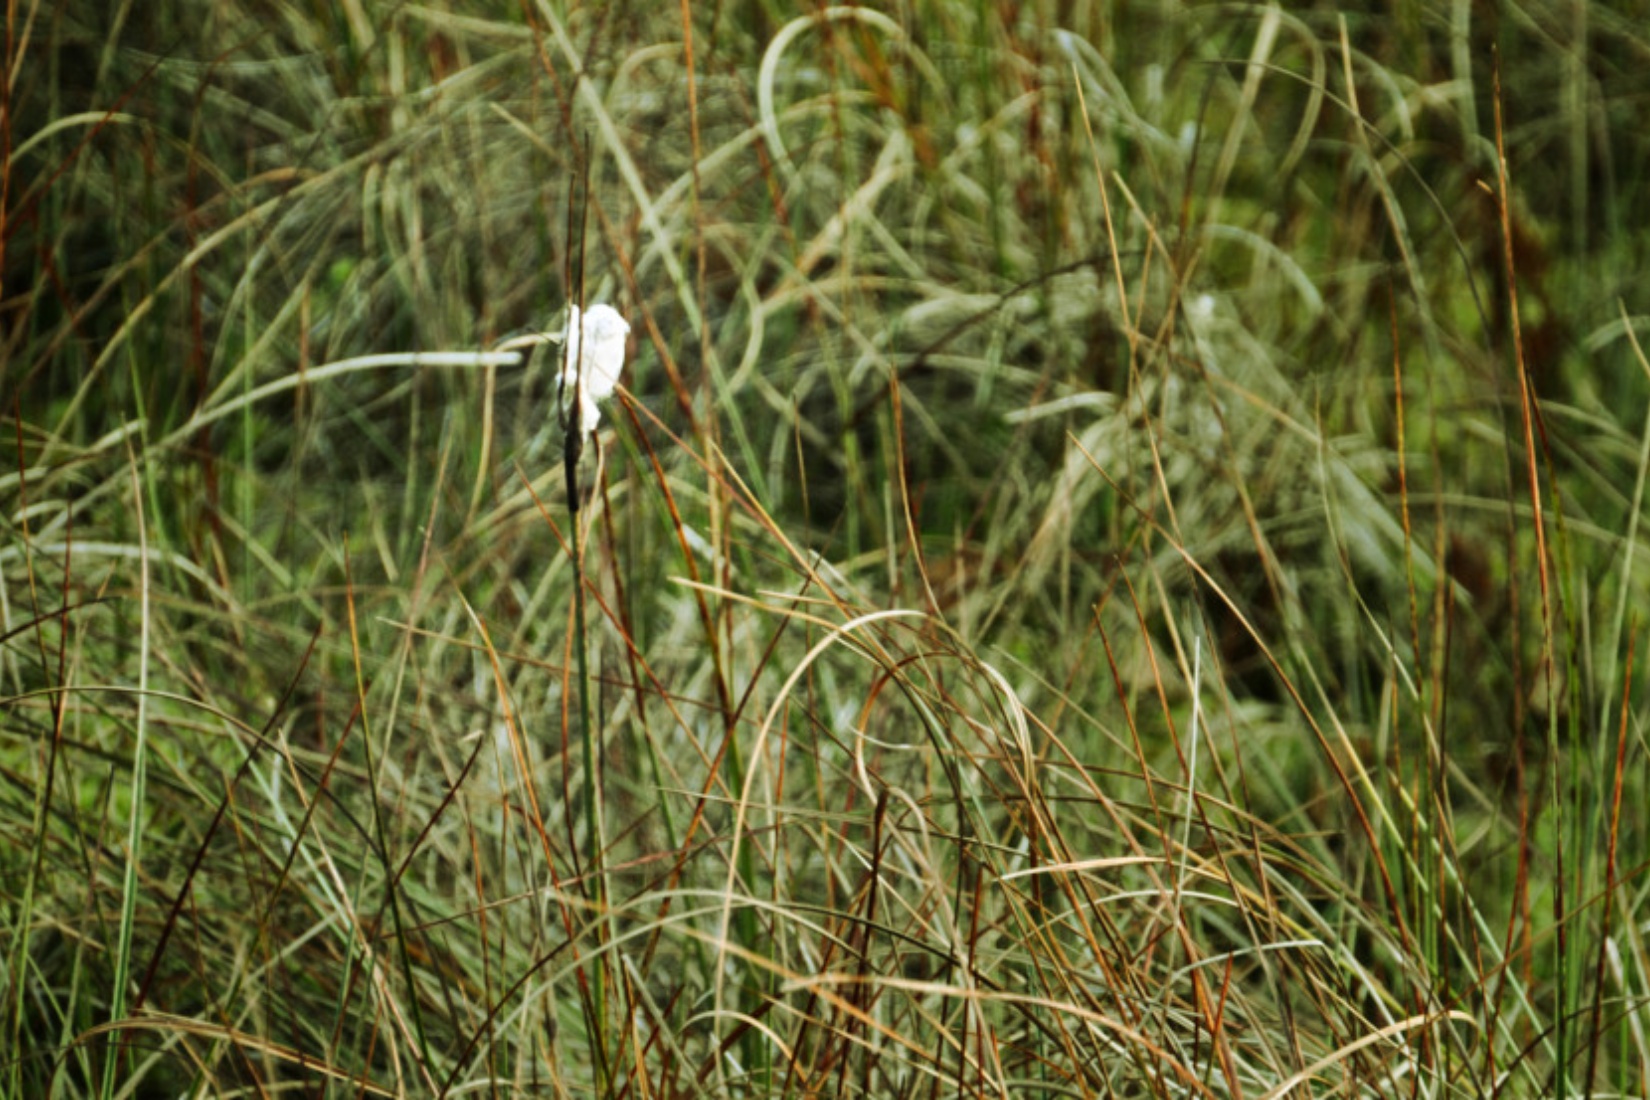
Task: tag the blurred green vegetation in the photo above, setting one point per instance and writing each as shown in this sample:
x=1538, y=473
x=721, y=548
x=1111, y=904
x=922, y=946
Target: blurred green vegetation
x=1114, y=572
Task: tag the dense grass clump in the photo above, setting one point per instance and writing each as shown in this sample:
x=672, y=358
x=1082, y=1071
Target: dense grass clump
x=1113, y=570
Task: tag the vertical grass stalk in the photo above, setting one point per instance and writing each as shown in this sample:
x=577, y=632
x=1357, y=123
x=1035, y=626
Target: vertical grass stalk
x=592, y=807
x=134, y=816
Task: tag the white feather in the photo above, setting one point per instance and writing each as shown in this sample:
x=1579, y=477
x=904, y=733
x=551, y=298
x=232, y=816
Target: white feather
x=592, y=357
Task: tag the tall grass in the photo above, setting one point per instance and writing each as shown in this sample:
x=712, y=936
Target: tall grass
x=1114, y=571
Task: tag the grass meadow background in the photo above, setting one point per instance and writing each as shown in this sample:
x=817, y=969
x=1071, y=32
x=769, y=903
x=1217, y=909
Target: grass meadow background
x=1117, y=570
